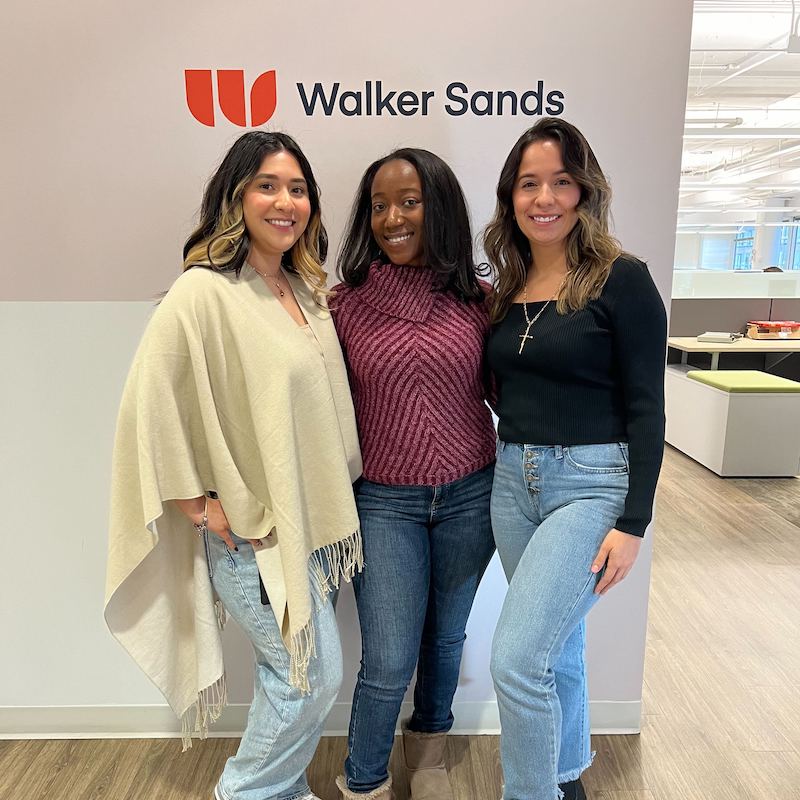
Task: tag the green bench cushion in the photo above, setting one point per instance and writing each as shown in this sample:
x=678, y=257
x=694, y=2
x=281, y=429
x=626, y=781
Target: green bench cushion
x=744, y=381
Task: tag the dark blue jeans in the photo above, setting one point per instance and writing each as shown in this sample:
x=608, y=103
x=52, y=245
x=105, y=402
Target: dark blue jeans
x=425, y=551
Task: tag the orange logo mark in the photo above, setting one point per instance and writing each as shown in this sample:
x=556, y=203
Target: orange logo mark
x=231, y=96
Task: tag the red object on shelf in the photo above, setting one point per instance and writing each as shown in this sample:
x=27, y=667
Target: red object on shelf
x=773, y=329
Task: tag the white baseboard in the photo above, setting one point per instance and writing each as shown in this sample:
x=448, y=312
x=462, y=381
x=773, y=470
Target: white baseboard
x=146, y=722
x=613, y=717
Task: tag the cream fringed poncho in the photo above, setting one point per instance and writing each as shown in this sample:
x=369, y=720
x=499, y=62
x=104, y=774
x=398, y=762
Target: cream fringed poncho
x=227, y=393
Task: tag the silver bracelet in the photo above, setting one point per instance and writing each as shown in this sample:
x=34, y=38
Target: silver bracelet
x=202, y=527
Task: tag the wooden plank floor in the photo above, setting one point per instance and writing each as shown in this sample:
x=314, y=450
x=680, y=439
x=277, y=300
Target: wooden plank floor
x=722, y=678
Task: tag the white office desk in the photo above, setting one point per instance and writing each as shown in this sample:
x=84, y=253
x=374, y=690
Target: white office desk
x=775, y=350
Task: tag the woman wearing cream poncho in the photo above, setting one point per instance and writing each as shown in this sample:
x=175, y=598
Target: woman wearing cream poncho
x=236, y=423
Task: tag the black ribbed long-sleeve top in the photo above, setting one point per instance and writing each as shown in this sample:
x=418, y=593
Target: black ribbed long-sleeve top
x=590, y=377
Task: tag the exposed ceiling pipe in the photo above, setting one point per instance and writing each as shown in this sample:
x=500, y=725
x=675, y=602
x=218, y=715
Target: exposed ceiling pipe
x=725, y=122
x=740, y=6
x=757, y=60
x=737, y=50
x=745, y=167
x=760, y=173
x=705, y=186
x=748, y=210
x=742, y=133
x=748, y=163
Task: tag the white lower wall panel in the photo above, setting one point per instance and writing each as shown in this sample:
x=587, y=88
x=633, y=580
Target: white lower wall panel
x=105, y=722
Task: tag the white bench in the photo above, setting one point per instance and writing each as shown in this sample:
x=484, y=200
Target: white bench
x=735, y=422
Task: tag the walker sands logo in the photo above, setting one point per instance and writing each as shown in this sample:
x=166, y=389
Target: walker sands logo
x=370, y=99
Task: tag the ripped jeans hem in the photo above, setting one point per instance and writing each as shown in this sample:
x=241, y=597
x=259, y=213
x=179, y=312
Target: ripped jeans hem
x=574, y=774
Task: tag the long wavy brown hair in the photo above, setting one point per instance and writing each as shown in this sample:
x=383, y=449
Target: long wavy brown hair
x=221, y=242
x=590, y=247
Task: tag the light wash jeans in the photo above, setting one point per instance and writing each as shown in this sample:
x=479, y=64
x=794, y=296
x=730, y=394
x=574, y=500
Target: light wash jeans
x=425, y=550
x=284, y=725
x=551, y=509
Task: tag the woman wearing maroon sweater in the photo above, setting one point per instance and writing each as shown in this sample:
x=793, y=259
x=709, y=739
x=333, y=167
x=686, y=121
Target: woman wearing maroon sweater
x=412, y=318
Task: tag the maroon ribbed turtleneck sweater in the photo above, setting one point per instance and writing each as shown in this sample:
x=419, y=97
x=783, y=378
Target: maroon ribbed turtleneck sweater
x=415, y=359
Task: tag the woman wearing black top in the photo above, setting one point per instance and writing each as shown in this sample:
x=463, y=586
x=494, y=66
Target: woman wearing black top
x=577, y=349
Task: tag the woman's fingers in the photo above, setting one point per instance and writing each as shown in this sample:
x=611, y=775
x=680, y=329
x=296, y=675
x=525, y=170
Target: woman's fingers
x=226, y=537
x=609, y=579
x=618, y=552
x=218, y=524
x=602, y=556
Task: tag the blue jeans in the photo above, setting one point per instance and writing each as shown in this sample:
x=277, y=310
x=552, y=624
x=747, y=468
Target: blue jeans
x=283, y=725
x=551, y=509
x=425, y=550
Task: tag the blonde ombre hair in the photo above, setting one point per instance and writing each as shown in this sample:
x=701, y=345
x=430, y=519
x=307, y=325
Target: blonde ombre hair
x=590, y=247
x=221, y=242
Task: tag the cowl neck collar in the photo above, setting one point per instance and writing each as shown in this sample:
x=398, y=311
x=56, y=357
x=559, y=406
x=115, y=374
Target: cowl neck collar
x=400, y=291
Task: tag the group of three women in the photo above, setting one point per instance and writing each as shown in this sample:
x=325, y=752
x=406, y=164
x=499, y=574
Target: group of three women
x=237, y=422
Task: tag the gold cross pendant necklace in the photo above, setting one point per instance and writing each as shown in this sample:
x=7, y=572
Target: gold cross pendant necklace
x=529, y=322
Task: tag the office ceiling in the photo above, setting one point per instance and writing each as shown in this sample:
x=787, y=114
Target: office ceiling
x=741, y=160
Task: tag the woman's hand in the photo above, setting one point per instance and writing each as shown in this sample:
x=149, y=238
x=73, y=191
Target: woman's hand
x=618, y=552
x=217, y=521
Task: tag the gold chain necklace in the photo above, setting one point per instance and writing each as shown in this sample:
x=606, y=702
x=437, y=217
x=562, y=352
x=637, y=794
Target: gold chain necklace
x=273, y=279
x=528, y=321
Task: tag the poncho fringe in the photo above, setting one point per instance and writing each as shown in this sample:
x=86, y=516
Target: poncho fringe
x=330, y=564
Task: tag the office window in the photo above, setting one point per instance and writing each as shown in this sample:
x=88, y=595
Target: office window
x=784, y=245
x=743, y=248
x=715, y=252
x=793, y=262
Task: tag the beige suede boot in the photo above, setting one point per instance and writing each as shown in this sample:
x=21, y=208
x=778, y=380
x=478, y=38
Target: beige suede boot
x=383, y=792
x=424, y=757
